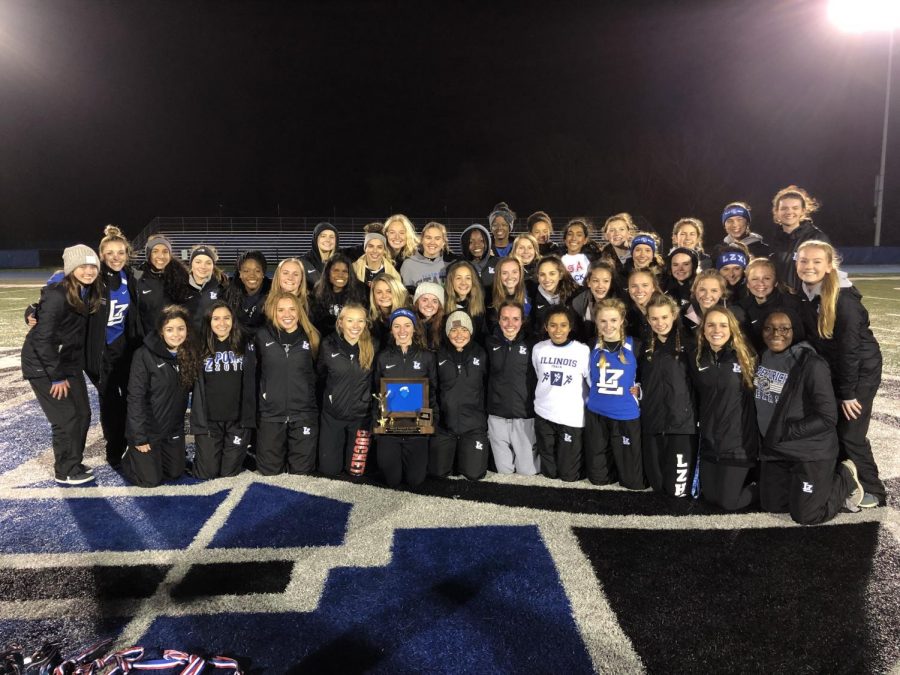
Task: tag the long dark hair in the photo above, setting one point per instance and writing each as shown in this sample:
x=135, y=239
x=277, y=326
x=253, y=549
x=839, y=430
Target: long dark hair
x=355, y=292
x=188, y=354
x=235, y=340
x=90, y=303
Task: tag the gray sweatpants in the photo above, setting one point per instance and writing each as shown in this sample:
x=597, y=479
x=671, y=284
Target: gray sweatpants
x=513, y=445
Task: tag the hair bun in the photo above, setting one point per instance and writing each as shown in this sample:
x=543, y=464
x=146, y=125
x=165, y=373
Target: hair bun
x=112, y=231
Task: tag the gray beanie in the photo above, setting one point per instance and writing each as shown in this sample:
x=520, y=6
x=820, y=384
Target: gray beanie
x=374, y=235
x=459, y=319
x=157, y=240
x=78, y=255
x=430, y=288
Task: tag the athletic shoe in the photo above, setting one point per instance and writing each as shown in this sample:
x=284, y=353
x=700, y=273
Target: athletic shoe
x=77, y=478
x=857, y=493
x=869, y=501
x=86, y=469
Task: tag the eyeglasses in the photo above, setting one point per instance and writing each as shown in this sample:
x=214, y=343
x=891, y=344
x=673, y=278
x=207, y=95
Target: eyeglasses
x=778, y=330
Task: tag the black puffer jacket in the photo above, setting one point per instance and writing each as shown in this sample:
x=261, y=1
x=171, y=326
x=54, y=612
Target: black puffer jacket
x=54, y=348
x=667, y=395
x=417, y=363
x=725, y=408
x=199, y=406
x=511, y=376
x=287, y=376
x=347, y=386
x=461, y=377
x=156, y=400
x=803, y=426
x=784, y=250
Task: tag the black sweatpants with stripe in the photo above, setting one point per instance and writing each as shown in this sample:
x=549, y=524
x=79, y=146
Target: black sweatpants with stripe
x=560, y=449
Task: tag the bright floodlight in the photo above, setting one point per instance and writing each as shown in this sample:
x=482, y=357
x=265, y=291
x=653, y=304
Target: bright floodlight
x=858, y=16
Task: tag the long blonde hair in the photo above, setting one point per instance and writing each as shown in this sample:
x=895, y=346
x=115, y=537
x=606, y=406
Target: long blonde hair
x=302, y=291
x=745, y=355
x=475, y=301
x=399, y=296
x=498, y=292
x=412, y=239
x=312, y=333
x=366, y=345
x=831, y=286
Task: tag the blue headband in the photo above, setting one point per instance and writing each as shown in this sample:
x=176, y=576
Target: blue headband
x=397, y=313
x=645, y=239
x=735, y=210
x=731, y=258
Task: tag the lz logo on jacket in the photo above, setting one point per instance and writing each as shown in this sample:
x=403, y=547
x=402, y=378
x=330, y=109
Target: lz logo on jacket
x=307, y=431
x=213, y=295
x=305, y=345
x=736, y=367
x=476, y=362
x=417, y=365
x=523, y=350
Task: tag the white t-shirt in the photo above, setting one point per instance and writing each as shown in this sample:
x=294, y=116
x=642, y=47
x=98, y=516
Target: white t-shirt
x=577, y=265
x=562, y=381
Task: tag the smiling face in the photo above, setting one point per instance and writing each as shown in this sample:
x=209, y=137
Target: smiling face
x=599, y=283
x=510, y=321
x=251, y=275
x=220, y=322
x=548, y=277
x=575, y=239
x=174, y=333
x=732, y=274
x=428, y=305
x=510, y=275
x=500, y=230
x=609, y=325
x=813, y=264
x=396, y=236
x=558, y=328
x=687, y=236
x=286, y=315
x=709, y=292
x=642, y=256
x=381, y=291
x=660, y=319
x=761, y=281
x=682, y=266
x=640, y=288
x=462, y=282
x=736, y=226
x=525, y=252
x=617, y=233
x=289, y=276
x=115, y=255
x=160, y=257
x=402, y=331
x=86, y=274
x=789, y=213
x=778, y=333
x=351, y=323
x=326, y=241
x=459, y=337
x=339, y=276
x=715, y=330
x=374, y=253
x=202, y=268
x=541, y=231
x=477, y=244
x=432, y=242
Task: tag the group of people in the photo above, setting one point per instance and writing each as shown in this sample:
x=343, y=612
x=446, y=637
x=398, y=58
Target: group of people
x=744, y=374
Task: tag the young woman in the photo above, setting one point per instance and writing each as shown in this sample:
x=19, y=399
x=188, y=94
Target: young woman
x=526, y=250
x=688, y=233
x=325, y=244
x=464, y=292
x=668, y=420
x=337, y=287
x=461, y=440
x=401, y=237
x=223, y=404
x=288, y=427
x=160, y=281
x=576, y=236
x=562, y=371
x=510, y=394
x=429, y=262
x=162, y=373
x=797, y=413
x=613, y=425
x=500, y=222
x=289, y=278
x=792, y=209
x=764, y=295
x=207, y=283
x=475, y=244
x=644, y=256
x=405, y=457
x=429, y=302
x=385, y=295
x=837, y=325
x=248, y=291
x=600, y=282
x=53, y=358
x=730, y=264
x=642, y=284
x=509, y=286
x=681, y=270
x=618, y=231
x=736, y=221
x=374, y=260
x=710, y=290
x=555, y=287
x=540, y=226
x=722, y=374
x=345, y=369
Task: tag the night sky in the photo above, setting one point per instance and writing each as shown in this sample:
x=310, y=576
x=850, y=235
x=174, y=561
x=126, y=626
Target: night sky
x=119, y=111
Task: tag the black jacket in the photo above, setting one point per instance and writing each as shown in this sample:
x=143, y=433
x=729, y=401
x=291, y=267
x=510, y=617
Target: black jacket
x=728, y=429
x=199, y=300
x=286, y=375
x=312, y=261
x=156, y=400
x=755, y=313
x=54, y=348
x=803, y=426
x=852, y=353
x=393, y=363
x=248, y=309
x=511, y=376
x=667, y=394
x=199, y=410
x=98, y=354
x=347, y=387
x=784, y=250
x=156, y=290
x=461, y=378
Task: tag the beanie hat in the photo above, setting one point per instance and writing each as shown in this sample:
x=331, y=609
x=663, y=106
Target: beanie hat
x=397, y=313
x=695, y=259
x=645, y=239
x=731, y=258
x=430, y=288
x=203, y=249
x=735, y=210
x=459, y=319
x=78, y=255
x=502, y=210
x=374, y=235
x=321, y=227
x=158, y=240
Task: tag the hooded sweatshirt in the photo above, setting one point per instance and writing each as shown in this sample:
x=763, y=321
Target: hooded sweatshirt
x=312, y=261
x=487, y=265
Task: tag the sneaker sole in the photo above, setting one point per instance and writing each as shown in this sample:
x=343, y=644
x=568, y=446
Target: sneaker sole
x=69, y=481
x=851, y=467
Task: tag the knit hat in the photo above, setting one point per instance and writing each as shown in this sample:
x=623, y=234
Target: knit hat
x=203, y=249
x=374, y=235
x=502, y=210
x=459, y=319
x=78, y=255
x=403, y=312
x=735, y=210
x=430, y=288
x=158, y=240
x=320, y=228
x=695, y=259
x=731, y=258
x=645, y=239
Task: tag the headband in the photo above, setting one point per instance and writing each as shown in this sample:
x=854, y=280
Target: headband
x=397, y=313
x=731, y=258
x=735, y=210
x=645, y=239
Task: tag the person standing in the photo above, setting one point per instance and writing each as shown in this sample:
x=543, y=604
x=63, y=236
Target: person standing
x=792, y=209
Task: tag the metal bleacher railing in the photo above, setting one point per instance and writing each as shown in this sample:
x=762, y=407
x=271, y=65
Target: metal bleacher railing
x=280, y=238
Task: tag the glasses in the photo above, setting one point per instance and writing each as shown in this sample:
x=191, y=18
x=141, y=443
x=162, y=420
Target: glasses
x=778, y=330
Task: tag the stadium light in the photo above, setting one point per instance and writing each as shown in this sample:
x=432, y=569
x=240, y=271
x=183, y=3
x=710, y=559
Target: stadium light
x=859, y=16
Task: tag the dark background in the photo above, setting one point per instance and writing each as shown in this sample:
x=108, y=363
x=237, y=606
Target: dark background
x=121, y=111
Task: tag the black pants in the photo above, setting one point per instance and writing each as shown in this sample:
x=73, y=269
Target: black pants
x=287, y=446
x=854, y=444
x=560, y=449
x=724, y=485
x=221, y=451
x=112, y=392
x=337, y=439
x=403, y=457
x=164, y=461
x=467, y=453
x=669, y=461
x=613, y=448
x=70, y=419
x=810, y=491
